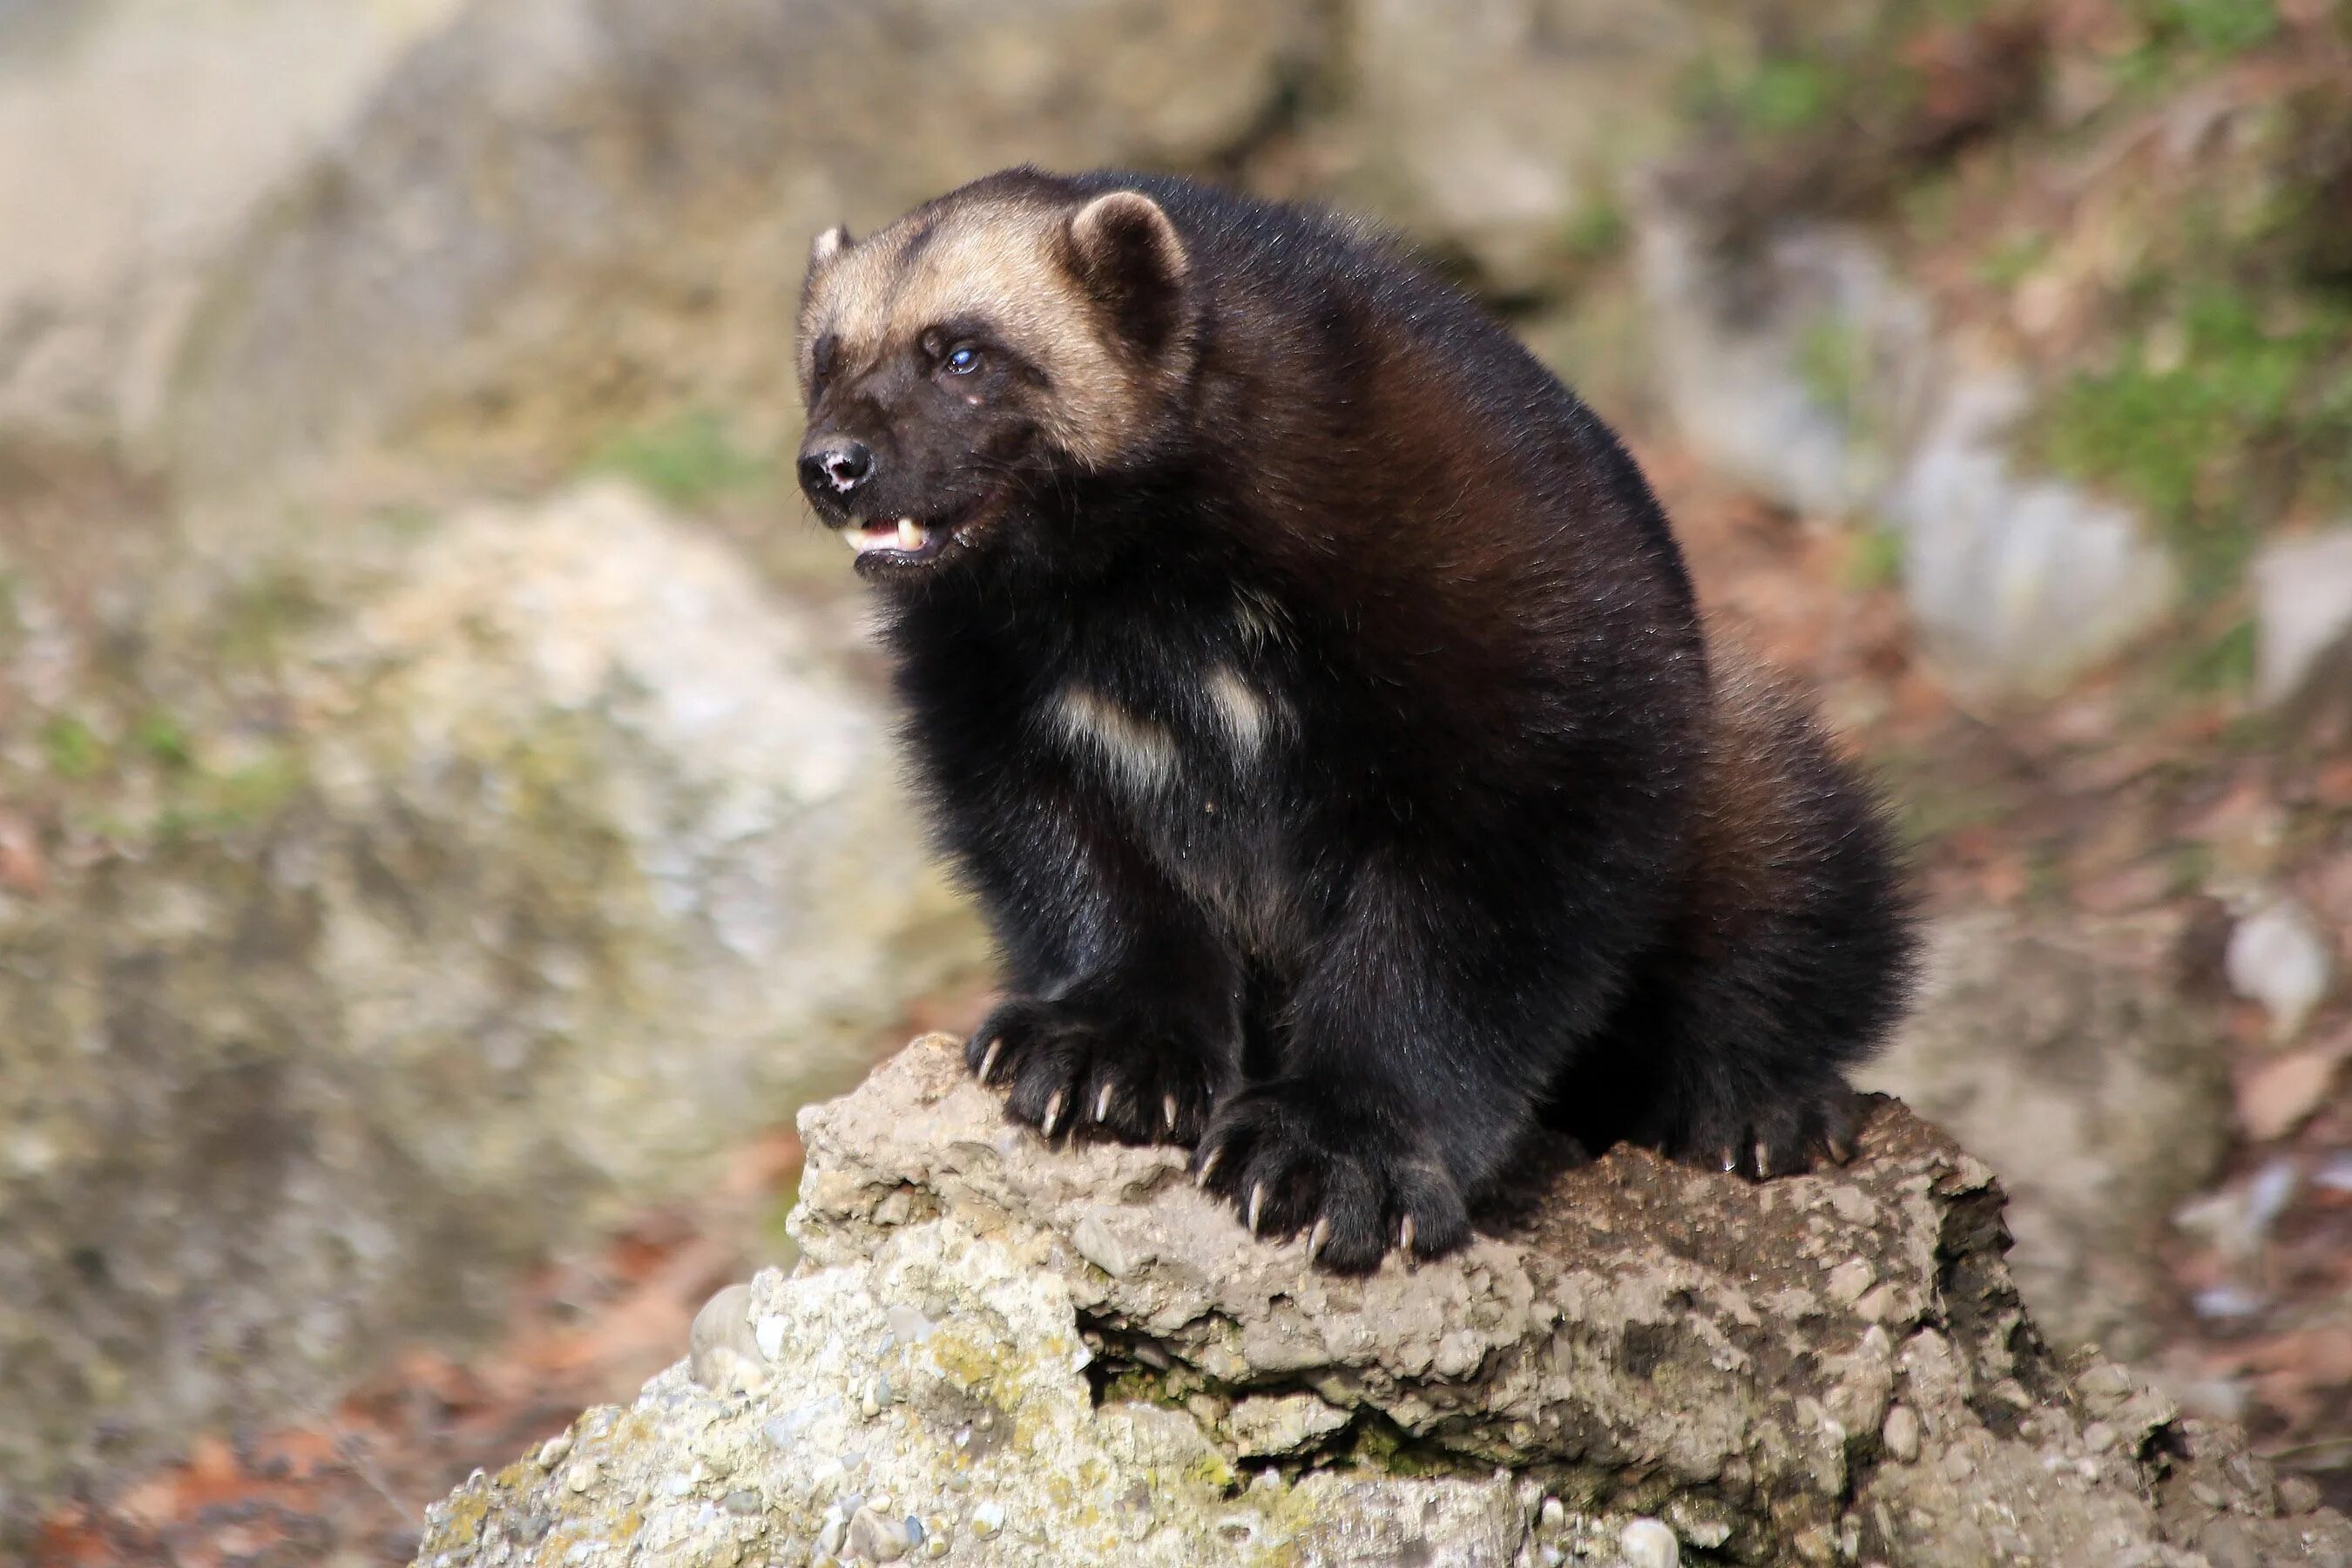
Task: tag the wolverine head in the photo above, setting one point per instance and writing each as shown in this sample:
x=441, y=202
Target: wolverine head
x=961, y=363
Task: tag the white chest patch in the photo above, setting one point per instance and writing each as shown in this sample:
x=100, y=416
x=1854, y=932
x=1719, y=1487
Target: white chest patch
x=1140, y=754
x=1243, y=711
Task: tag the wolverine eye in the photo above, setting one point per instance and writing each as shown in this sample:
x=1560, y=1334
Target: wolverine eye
x=964, y=361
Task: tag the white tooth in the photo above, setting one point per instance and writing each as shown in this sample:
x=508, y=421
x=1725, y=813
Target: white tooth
x=910, y=534
x=853, y=537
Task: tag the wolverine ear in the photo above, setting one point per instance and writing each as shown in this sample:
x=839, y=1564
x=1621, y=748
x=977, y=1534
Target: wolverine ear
x=828, y=245
x=1129, y=255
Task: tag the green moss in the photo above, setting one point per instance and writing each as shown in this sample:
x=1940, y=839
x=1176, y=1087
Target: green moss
x=1876, y=561
x=261, y=617
x=1830, y=362
x=1597, y=230
x=2217, y=26
x=690, y=461
x=73, y=749
x=2221, y=663
x=2233, y=419
x=2012, y=261
x=160, y=735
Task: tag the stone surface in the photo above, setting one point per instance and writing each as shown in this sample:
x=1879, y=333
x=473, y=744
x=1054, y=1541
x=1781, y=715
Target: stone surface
x=1806, y=369
x=558, y=214
x=2058, y=1053
x=1569, y=94
x=2278, y=957
x=1630, y=1339
x=504, y=901
x=116, y=211
x=2018, y=583
x=2302, y=613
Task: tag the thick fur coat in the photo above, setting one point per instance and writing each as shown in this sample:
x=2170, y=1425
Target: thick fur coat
x=1311, y=691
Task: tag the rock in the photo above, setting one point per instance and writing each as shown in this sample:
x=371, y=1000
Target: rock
x=1569, y=95
x=2017, y=584
x=2302, y=612
x=722, y=1355
x=1650, y=1544
x=1901, y=1435
x=1733, y=339
x=559, y=214
x=499, y=899
x=2278, y=956
x=2058, y=1053
x=1662, y=1341
x=1261, y=1426
x=1804, y=368
x=117, y=215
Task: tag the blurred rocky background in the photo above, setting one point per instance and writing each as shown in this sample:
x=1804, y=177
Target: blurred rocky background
x=447, y=814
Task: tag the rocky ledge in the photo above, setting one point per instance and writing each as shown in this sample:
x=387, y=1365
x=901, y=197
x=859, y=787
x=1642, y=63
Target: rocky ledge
x=996, y=1352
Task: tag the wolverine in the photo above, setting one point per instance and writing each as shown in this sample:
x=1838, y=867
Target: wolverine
x=1311, y=693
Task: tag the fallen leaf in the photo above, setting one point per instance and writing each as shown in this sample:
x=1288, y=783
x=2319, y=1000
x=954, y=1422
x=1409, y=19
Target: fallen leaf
x=2274, y=1100
x=23, y=867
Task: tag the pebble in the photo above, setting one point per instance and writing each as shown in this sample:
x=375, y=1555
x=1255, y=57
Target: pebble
x=1552, y=1518
x=2098, y=1436
x=2278, y=957
x=878, y=1537
x=987, y=1519
x=1849, y=1280
x=769, y=1337
x=1096, y=1244
x=908, y=1324
x=2105, y=1383
x=582, y=1475
x=1648, y=1544
x=1902, y=1434
x=741, y=1501
x=2297, y=1495
x=552, y=1452
x=721, y=1336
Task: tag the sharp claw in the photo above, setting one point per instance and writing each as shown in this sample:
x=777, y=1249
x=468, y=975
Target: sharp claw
x=1053, y=1112
x=1841, y=1149
x=1763, y=1161
x=1730, y=1159
x=1404, y=1237
x=1317, y=1237
x=1168, y=1110
x=1209, y=1164
x=987, y=1062
x=1102, y=1104
x=1257, y=1201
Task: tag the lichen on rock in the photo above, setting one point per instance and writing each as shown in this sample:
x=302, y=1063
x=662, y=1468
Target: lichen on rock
x=1823, y=1369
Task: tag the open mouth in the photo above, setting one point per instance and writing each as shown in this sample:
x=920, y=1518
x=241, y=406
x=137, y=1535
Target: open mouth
x=900, y=540
x=903, y=541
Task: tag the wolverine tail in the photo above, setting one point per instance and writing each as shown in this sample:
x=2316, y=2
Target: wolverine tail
x=1788, y=960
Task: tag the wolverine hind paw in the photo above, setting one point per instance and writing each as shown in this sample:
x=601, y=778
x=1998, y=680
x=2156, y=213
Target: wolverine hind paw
x=1797, y=1134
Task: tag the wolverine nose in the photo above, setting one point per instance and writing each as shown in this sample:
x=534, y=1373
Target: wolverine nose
x=835, y=467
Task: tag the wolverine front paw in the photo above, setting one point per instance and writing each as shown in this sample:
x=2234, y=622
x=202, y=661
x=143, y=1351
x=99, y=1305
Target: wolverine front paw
x=1290, y=1161
x=1065, y=1068
x=1796, y=1134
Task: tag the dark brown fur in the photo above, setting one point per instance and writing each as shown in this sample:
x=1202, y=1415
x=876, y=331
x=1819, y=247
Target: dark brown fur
x=1310, y=690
